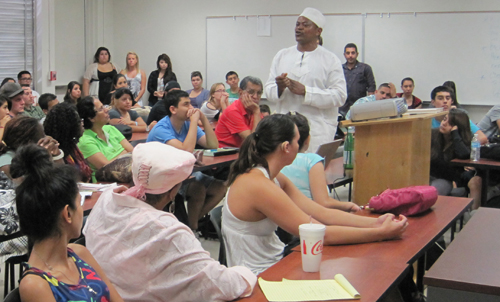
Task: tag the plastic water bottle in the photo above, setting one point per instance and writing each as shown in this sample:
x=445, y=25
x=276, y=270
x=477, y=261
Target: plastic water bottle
x=475, y=148
x=349, y=151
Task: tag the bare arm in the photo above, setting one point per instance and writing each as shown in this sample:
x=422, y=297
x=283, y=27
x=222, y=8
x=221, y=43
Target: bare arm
x=277, y=205
x=209, y=140
x=482, y=137
x=143, y=85
x=34, y=288
x=319, y=192
x=83, y=253
x=126, y=145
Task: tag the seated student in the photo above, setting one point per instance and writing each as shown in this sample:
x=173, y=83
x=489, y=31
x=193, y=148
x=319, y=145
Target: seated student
x=29, y=104
x=307, y=172
x=407, y=85
x=46, y=102
x=180, y=129
x=159, y=110
x=198, y=94
x=452, y=140
x=249, y=220
x=490, y=124
x=233, y=80
x=265, y=110
x=4, y=114
x=241, y=117
x=14, y=94
x=119, y=81
x=217, y=102
x=382, y=93
x=443, y=97
x=73, y=93
x=168, y=264
x=64, y=124
x=121, y=114
x=100, y=143
x=21, y=131
x=50, y=215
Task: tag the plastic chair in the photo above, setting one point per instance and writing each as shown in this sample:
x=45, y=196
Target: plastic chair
x=216, y=219
x=13, y=296
x=80, y=241
x=10, y=274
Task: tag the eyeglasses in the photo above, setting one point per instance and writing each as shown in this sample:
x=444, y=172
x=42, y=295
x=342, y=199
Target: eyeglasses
x=253, y=92
x=105, y=107
x=220, y=90
x=26, y=79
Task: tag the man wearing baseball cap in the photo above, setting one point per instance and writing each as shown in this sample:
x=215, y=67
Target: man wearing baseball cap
x=14, y=94
x=147, y=253
x=309, y=79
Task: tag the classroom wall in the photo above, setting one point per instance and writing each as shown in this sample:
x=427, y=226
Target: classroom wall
x=178, y=28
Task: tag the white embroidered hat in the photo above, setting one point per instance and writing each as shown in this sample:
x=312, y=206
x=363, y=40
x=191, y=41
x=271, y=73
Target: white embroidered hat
x=315, y=16
x=157, y=168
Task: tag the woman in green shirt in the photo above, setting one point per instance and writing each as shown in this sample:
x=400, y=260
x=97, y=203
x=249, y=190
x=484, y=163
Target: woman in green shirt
x=101, y=143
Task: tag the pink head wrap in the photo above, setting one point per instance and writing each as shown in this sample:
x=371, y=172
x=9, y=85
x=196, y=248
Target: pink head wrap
x=157, y=168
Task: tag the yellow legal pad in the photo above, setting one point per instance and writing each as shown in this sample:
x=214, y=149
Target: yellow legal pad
x=309, y=290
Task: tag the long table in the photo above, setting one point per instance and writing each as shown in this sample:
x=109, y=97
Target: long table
x=484, y=165
x=374, y=268
x=468, y=269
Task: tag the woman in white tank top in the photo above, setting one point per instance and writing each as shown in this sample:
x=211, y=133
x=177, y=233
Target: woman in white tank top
x=260, y=199
x=136, y=77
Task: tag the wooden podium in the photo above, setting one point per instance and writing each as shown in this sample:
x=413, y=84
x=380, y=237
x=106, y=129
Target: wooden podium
x=391, y=153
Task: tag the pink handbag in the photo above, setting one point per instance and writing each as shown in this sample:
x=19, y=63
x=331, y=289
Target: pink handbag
x=407, y=201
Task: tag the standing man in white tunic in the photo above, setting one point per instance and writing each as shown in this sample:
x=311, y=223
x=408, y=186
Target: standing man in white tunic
x=309, y=79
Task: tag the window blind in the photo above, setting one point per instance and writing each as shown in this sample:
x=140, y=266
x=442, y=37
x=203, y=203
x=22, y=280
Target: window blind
x=16, y=37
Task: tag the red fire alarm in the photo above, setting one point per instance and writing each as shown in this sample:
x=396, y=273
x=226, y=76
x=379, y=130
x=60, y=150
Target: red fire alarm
x=53, y=76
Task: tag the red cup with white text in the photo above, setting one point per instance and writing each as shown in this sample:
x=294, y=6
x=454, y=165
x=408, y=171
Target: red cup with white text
x=311, y=244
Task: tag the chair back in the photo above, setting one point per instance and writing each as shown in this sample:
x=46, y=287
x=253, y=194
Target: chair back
x=216, y=219
x=13, y=296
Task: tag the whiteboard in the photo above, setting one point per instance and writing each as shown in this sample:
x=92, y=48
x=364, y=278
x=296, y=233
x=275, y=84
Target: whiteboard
x=433, y=48
x=233, y=44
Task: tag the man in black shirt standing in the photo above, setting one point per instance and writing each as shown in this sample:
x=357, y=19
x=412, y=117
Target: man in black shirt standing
x=358, y=76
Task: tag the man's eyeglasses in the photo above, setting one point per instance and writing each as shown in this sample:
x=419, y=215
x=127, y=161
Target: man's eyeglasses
x=253, y=92
x=26, y=79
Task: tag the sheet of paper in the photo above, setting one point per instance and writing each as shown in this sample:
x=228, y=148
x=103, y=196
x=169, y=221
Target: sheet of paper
x=303, y=290
x=264, y=26
x=95, y=187
x=83, y=195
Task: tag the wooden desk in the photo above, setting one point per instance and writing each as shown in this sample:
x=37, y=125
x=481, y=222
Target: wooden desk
x=139, y=136
x=468, y=269
x=484, y=165
x=371, y=279
x=391, y=153
x=211, y=162
x=385, y=262
x=335, y=175
x=90, y=202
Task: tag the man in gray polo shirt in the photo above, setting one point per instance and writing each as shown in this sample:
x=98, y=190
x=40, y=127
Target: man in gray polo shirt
x=490, y=123
x=358, y=77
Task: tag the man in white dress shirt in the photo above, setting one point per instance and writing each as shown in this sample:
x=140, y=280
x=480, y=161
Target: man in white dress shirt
x=309, y=79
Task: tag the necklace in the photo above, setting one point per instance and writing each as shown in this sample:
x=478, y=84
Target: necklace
x=90, y=289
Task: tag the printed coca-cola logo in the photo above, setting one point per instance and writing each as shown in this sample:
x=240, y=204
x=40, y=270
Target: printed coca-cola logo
x=316, y=249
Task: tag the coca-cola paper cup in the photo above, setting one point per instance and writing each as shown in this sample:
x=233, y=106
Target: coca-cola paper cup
x=311, y=243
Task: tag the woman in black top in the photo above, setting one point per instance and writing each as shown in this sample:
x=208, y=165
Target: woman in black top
x=450, y=141
x=164, y=73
